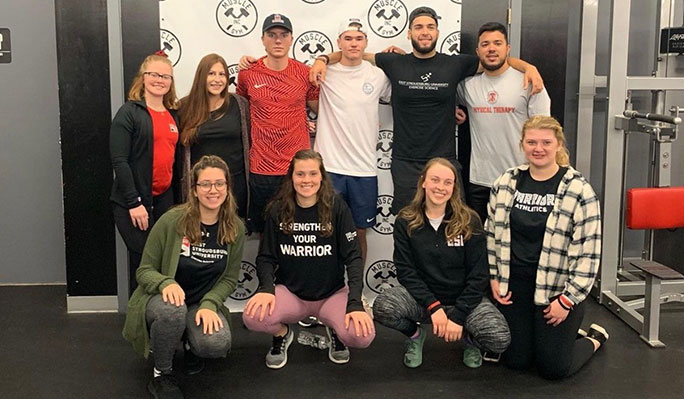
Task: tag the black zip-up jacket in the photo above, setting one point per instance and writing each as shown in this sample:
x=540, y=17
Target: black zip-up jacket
x=309, y=265
x=131, y=148
x=433, y=269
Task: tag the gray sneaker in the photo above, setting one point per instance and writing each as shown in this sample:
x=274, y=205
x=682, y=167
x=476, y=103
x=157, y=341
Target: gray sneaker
x=337, y=352
x=277, y=355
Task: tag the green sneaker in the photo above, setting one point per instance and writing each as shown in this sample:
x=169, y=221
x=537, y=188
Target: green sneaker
x=472, y=356
x=414, y=350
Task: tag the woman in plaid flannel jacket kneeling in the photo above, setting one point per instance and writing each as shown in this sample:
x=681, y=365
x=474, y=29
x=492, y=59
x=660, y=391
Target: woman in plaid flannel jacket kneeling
x=544, y=247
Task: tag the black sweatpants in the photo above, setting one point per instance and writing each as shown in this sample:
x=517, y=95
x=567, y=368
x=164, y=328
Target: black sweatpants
x=555, y=351
x=477, y=197
x=134, y=237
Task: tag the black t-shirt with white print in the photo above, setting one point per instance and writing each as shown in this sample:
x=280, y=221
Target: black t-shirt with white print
x=424, y=102
x=532, y=206
x=200, y=266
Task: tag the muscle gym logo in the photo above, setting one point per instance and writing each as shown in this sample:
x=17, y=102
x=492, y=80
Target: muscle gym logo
x=236, y=18
x=247, y=283
x=310, y=45
x=451, y=44
x=171, y=46
x=383, y=149
x=384, y=219
x=492, y=96
x=233, y=70
x=387, y=18
x=381, y=275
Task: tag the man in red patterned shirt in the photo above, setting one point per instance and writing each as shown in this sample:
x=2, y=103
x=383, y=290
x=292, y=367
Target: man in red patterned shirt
x=279, y=91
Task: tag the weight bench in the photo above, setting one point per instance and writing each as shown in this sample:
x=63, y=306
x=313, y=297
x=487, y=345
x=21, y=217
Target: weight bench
x=648, y=209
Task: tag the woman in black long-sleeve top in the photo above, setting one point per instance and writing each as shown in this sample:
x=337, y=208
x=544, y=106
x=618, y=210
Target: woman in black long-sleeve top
x=143, y=146
x=441, y=260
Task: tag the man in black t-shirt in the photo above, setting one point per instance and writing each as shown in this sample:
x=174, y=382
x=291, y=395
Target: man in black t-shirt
x=423, y=99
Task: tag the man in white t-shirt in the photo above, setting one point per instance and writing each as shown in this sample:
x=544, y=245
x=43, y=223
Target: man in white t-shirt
x=498, y=106
x=347, y=131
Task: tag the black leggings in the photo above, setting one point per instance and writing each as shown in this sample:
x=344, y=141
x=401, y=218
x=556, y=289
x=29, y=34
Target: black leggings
x=555, y=351
x=133, y=237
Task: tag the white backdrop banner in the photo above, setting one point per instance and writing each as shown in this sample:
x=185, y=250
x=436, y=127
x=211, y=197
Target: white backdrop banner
x=232, y=28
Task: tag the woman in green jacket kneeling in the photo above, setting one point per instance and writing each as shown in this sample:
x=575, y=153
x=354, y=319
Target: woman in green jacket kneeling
x=189, y=267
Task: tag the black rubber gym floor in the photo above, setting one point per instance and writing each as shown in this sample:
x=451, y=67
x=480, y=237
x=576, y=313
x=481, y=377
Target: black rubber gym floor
x=46, y=353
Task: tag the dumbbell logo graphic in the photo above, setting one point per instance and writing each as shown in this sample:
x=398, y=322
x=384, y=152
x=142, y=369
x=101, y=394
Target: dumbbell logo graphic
x=247, y=283
x=387, y=19
x=236, y=18
x=171, y=45
x=242, y=13
x=310, y=45
x=451, y=43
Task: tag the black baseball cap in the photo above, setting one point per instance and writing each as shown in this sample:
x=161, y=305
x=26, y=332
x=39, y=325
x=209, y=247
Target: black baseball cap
x=420, y=11
x=277, y=21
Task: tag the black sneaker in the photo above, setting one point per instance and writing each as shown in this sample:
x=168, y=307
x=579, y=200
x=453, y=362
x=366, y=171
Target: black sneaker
x=598, y=333
x=192, y=364
x=165, y=387
x=277, y=355
x=337, y=352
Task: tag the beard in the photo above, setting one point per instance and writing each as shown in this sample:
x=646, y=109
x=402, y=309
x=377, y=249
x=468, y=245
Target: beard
x=493, y=67
x=423, y=50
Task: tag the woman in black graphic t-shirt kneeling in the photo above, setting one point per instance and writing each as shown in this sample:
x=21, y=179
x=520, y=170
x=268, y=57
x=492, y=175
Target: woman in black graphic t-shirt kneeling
x=544, y=245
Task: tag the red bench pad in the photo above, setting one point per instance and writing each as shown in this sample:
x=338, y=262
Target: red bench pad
x=655, y=208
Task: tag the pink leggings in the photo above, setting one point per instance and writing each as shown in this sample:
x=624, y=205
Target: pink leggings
x=289, y=309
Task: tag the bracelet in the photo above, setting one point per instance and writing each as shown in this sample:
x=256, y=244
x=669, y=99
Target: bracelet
x=563, y=305
x=433, y=305
x=324, y=58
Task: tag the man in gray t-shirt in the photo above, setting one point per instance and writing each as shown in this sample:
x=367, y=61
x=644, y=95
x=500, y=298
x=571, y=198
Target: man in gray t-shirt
x=498, y=106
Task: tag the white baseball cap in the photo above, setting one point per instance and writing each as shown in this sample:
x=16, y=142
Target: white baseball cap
x=353, y=24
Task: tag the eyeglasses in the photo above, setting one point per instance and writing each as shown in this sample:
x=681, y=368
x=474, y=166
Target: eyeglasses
x=205, y=186
x=155, y=75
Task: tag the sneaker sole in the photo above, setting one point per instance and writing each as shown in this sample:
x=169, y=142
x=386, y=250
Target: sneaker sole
x=288, y=342
x=332, y=359
x=599, y=329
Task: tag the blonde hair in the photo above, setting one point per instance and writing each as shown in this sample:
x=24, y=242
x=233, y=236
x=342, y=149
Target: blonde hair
x=549, y=123
x=462, y=214
x=137, y=90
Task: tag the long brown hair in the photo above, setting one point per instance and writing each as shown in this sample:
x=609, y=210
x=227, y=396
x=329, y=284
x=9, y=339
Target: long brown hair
x=549, y=123
x=458, y=224
x=137, y=90
x=190, y=224
x=285, y=199
x=194, y=108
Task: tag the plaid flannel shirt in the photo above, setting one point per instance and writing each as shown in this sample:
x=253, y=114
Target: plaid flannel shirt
x=571, y=250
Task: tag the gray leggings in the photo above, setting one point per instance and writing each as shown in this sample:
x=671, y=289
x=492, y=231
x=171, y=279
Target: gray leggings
x=167, y=323
x=395, y=308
